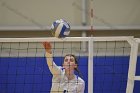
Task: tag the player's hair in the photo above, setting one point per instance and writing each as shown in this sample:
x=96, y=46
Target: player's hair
x=76, y=62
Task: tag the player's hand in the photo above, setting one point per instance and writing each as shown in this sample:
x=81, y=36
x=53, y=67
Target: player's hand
x=47, y=46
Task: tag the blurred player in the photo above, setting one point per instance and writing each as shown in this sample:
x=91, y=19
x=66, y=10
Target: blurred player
x=64, y=80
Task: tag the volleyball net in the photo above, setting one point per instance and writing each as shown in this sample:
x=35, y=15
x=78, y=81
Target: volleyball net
x=107, y=64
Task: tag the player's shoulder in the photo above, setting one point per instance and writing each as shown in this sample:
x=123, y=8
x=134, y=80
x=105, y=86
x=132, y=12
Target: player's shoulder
x=81, y=80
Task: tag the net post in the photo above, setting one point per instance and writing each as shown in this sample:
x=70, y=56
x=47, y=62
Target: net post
x=90, y=66
x=132, y=66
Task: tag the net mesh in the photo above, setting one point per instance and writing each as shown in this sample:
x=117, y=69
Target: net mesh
x=111, y=61
x=137, y=82
x=23, y=67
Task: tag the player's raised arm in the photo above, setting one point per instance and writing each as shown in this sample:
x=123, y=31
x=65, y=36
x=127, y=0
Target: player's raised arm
x=49, y=57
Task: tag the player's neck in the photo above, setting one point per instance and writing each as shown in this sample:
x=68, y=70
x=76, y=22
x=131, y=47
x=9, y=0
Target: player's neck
x=70, y=76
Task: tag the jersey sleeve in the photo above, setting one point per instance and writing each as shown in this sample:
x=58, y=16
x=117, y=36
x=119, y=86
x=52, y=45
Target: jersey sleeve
x=81, y=87
x=54, y=69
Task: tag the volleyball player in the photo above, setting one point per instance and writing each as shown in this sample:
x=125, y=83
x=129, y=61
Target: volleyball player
x=64, y=80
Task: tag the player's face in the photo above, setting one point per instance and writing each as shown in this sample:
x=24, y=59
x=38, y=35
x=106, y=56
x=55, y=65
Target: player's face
x=69, y=63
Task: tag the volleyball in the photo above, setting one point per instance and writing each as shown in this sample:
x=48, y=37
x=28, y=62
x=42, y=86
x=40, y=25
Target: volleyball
x=60, y=28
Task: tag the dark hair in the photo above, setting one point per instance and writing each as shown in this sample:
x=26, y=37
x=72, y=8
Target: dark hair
x=76, y=62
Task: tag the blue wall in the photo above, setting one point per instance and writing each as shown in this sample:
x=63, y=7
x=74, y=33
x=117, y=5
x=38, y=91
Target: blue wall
x=31, y=75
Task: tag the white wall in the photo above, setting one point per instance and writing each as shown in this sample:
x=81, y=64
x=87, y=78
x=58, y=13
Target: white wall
x=2, y=15
x=43, y=12
x=117, y=12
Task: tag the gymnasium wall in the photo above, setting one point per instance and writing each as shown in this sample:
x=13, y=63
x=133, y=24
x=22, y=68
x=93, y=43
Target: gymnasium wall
x=31, y=75
x=43, y=12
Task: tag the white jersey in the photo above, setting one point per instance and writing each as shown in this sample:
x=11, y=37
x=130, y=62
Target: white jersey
x=60, y=83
